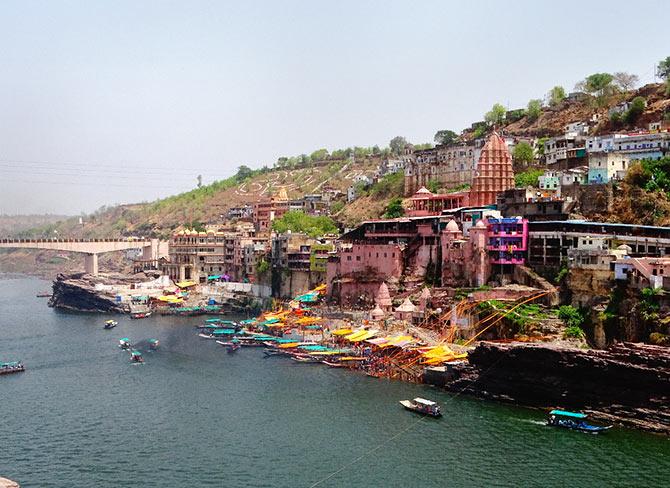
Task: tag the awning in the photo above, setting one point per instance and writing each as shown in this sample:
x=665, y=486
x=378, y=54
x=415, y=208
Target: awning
x=185, y=284
x=367, y=335
x=342, y=332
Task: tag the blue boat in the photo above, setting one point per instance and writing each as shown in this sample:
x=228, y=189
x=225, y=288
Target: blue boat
x=574, y=421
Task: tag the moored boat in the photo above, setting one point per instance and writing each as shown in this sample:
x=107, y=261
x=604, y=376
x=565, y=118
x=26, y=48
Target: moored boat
x=12, y=367
x=574, y=421
x=154, y=343
x=110, y=324
x=124, y=343
x=140, y=315
x=422, y=406
x=136, y=356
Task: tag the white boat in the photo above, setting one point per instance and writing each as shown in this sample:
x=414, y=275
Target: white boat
x=422, y=406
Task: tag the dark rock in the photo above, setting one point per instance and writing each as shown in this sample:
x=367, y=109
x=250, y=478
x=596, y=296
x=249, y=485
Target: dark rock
x=627, y=383
x=77, y=293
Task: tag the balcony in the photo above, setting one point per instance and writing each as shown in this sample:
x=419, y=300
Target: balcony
x=515, y=261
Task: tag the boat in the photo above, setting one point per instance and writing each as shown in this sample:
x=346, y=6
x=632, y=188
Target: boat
x=44, y=294
x=575, y=421
x=332, y=364
x=140, y=315
x=12, y=367
x=234, y=346
x=154, y=343
x=124, y=343
x=110, y=324
x=136, y=356
x=422, y=406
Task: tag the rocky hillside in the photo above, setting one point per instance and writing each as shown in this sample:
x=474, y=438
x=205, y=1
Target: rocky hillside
x=552, y=120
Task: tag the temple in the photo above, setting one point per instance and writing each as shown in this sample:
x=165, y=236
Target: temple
x=494, y=172
x=424, y=202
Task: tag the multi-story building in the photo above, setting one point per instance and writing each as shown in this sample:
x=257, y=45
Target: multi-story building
x=532, y=205
x=507, y=240
x=567, y=151
x=607, y=166
x=643, y=145
x=450, y=166
x=266, y=211
x=424, y=202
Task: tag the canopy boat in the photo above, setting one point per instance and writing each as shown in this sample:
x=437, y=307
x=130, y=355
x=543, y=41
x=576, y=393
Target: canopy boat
x=136, y=356
x=13, y=367
x=140, y=315
x=124, y=343
x=154, y=343
x=574, y=420
x=110, y=324
x=422, y=406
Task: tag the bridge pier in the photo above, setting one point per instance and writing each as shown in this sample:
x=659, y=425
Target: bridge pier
x=91, y=264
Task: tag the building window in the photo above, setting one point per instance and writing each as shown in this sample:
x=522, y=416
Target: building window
x=348, y=258
x=358, y=258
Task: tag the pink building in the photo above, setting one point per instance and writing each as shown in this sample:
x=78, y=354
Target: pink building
x=424, y=202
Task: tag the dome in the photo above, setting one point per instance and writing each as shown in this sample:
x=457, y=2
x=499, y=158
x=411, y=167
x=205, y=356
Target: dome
x=452, y=226
x=624, y=247
x=377, y=313
x=406, y=306
x=423, y=191
x=480, y=224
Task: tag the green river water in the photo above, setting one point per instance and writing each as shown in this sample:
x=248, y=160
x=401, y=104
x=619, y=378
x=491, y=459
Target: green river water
x=193, y=416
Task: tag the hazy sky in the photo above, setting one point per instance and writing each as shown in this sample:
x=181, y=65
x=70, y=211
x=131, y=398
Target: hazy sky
x=125, y=101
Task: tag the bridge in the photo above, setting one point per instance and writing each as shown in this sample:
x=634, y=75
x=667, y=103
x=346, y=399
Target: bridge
x=152, y=249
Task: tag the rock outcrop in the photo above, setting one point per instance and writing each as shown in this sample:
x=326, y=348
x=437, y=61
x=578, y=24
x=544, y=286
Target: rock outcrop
x=627, y=383
x=6, y=483
x=77, y=293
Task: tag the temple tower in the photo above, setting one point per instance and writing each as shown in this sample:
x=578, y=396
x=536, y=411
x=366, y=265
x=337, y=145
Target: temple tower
x=494, y=172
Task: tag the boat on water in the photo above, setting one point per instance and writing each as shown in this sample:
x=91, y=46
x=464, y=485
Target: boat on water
x=12, y=367
x=333, y=364
x=300, y=358
x=422, y=406
x=574, y=421
x=124, y=343
x=234, y=346
x=110, y=324
x=140, y=315
x=44, y=294
x=136, y=356
x=153, y=344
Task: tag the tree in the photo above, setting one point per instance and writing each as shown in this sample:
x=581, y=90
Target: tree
x=556, y=95
x=445, y=137
x=397, y=144
x=433, y=185
x=523, y=154
x=297, y=221
x=637, y=106
x=394, y=209
x=243, y=172
x=599, y=85
x=663, y=69
x=534, y=109
x=625, y=81
x=319, y=155
x=528, y=178
x=495, y=116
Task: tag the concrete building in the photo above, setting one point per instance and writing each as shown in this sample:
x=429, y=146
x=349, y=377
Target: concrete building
x=533, y=205
x=643, y=145
x=266, y=211
x=643, y=272
x=607, y=166
x=450, y=166
x=567, y=151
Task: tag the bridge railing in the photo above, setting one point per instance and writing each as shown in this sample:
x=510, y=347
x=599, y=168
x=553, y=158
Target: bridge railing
x=29, y=241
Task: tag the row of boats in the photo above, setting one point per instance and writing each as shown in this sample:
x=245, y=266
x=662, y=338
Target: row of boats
x=135, y=354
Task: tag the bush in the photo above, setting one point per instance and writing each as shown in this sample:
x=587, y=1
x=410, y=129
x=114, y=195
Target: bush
x=636, y=109
x=391, y=185
x=573, y=332
x=336, y=207
x=394, y=209
x=528, y=178
x=297, y=221
x=571, y=316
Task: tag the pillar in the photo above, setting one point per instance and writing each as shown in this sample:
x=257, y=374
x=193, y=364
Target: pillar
x=91, y=264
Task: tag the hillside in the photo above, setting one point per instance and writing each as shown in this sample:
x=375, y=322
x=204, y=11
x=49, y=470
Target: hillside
x=552, y=120
x=207, y=204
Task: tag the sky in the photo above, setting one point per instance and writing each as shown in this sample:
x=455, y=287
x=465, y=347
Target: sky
x=107, y=102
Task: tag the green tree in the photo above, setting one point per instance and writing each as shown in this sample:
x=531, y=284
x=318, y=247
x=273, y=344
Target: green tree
x=527, y=178
x=599, y=85
x=243, y=172
x=495, y=116
x=663, y=69
x=523, y=154
x=394, y=209
x=433, y=185
x=319, y=155
x=445, y=137
x=397, y=144
x=534, y=109
x=637, y=106
x=297, y=221
x=556, y=95
x=540, y=145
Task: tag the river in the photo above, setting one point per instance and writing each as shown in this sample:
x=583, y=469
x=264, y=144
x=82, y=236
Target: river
x=83, y=416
